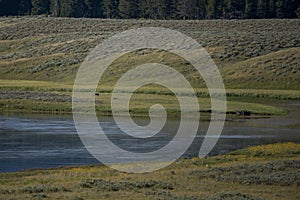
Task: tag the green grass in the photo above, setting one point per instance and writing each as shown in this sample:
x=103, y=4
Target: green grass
x=139, y=105
x=270, y=150
x=278, y=70
x=141, y=100
x=243, y=173
x=18, y=105
x=46, y=86
x=28, y=85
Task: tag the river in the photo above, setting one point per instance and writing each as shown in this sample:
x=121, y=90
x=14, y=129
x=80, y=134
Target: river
x=47, y=141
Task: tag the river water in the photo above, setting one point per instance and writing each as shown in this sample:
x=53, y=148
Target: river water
x=46, y=141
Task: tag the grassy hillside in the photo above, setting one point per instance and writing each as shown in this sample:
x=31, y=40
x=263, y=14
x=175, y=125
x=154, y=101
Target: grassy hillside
x=254, y=173
x=280, y=70
x=257, y=58
x=51, y=49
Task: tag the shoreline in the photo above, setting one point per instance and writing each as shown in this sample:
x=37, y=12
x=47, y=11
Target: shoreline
x=53, y=103
x=257, y=172
x=260, y=152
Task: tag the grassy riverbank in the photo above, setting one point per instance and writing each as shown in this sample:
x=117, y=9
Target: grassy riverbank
x=49, y=97
x=261, y=172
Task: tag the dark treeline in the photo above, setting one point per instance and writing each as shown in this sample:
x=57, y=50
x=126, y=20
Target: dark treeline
x=154, y=9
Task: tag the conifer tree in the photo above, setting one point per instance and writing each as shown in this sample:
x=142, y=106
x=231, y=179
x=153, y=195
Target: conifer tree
x=211, y=9
x=188, y=9
x=128, y=8
x=233, y=9
x=291, y=7
x=24, y=7
x=250, y=9
x=54, y=8
x=155, y=9
x=202, y=9
x=72, y=8
x=272, y=9
x=40, y=7
x=262, y=9
x=298, y=12
x=280, y=8
x=170, y=7
x=110, y=8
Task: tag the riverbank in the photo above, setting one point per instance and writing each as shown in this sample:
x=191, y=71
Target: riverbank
x=261, y=172
x=49, y=97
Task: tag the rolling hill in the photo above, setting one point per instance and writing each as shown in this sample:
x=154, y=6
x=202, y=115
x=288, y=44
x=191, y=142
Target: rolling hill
x=260, y=54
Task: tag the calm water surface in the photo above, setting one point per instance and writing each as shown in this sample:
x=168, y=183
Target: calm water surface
x=45, y=141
